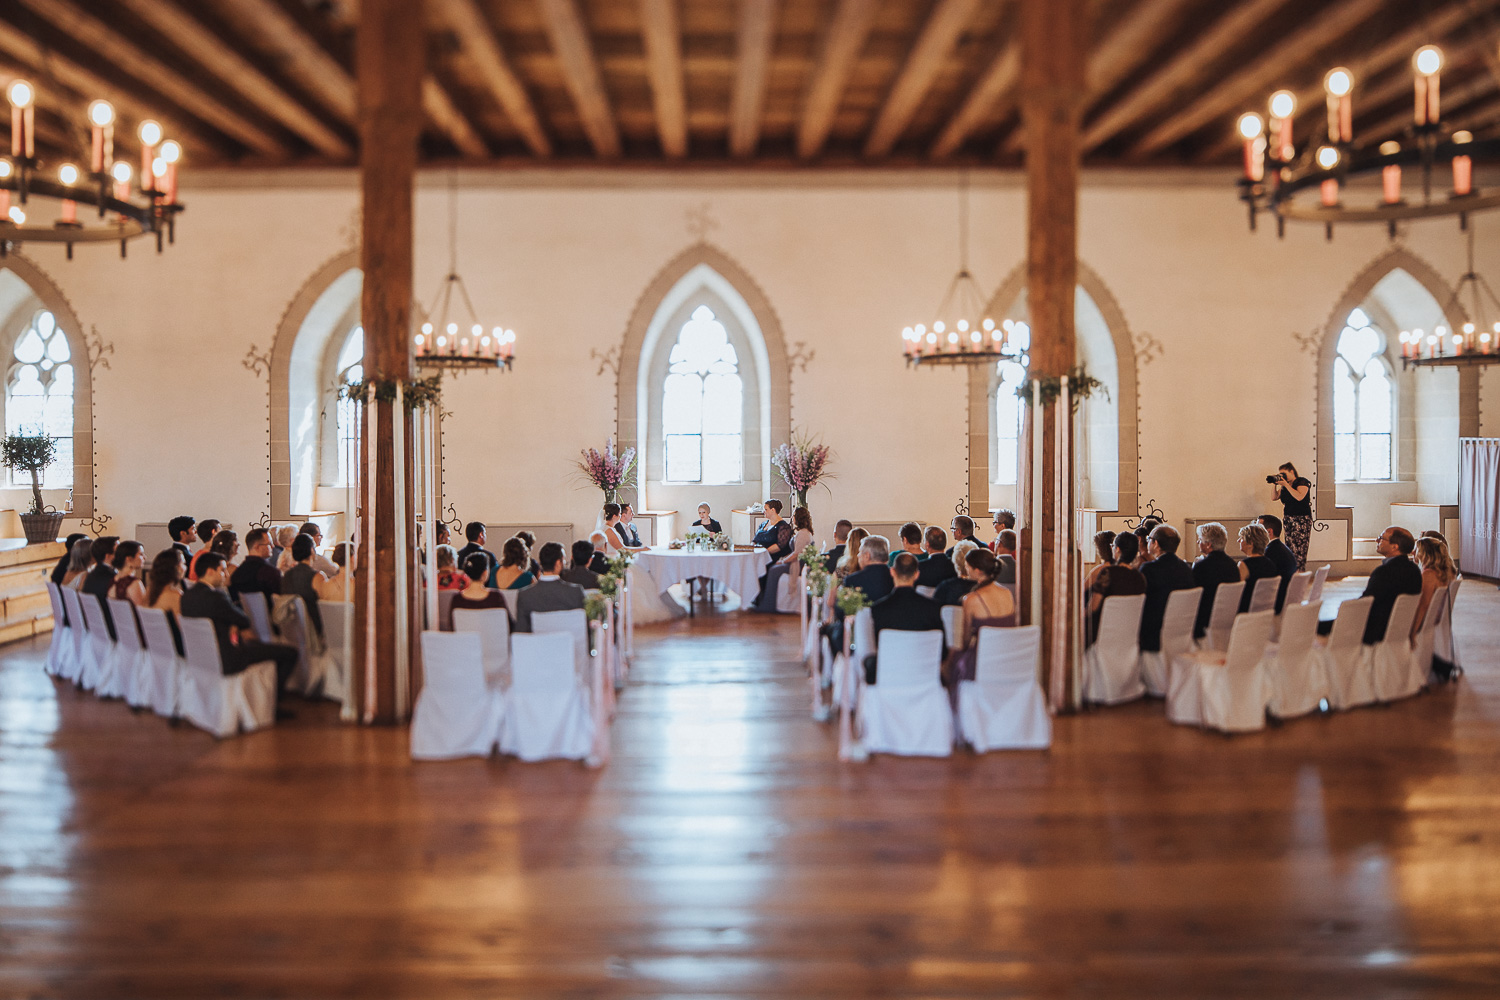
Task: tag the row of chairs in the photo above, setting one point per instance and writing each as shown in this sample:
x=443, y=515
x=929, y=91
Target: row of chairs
x=537, y=695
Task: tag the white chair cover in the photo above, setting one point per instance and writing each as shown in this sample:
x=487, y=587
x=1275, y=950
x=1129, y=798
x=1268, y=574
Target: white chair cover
x=219, y=704
x=315, y=668
x=1296, y=675
x=1112, y=665
x=927, y=592
x=1003, y=707
x=1176, y=638
x=1443, y=643
x=109, y=680
x=1234, y=690
x=1263, y=597
x=86, y=675
x=907, y=711
x=167, y=667
x=509, y=597
x=1423, y=645
x=573, y=622
x=789, y=589
x=60, y=650
x=493, y=627
x=259, y=613
x=445, y=610
x=338, y=619
x=1315, y=592
x=135, y=664
x=1390, y=659
x=547, y=706
x=458, y=712
x=1349, y=682
x=1221, y=618
x=953, y=624
x=1296, y=589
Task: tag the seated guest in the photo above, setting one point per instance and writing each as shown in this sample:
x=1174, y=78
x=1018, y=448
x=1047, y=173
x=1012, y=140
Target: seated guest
x=1104, y=548
x=440, y=533
x=181, y=529
x=802, y=537
x=550, y=592
x=256, y=575
x=874, y=574
x=952, y=590
x=1256, y=565
x=849, y=562
x=476, y=534
x=1164, y=573
x=937, y=567
x=1395, y=576
x=616, y=535
x=281, y=553
x=514, y=571
x=1005, y=555
x=775, y=536
x=987, y=605
x=301, y=579
x=101, y=577
x=1114, y=580
x=129, y=560
x=80, y=558
x=626, y=528
x=225, y=543
x=320, y=562
x=238, y=648
x=475, y=595
x=599, y=561
x=1434, y=534
x=579, y=572
x=911, y=541
x=706, y=521
x=1005, y=520
x=60, y=571
x=1148, y=524
x=206, y=531
x=1278, y=552
x=903, y=609
x=530, y=539
x=1212, y=567
x=337, y=587
x=164, y=583
x=1438, y=571
x=835, y=554
x=449, y=576
x=963, y=530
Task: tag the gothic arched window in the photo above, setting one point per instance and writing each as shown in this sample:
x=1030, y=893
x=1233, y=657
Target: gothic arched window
x=703, y=411
x=39, y=394
x=350, y=367
x=1363, y=402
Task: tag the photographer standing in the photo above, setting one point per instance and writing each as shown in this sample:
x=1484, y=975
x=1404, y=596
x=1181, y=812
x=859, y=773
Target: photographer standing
x=1295, y=494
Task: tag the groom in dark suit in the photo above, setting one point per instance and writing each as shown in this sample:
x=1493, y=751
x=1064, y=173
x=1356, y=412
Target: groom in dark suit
x=551, y=592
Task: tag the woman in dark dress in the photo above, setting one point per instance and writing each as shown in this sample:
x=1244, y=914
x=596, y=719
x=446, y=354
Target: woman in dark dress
x=1256, y=564
x=1295, y=494
x=1115, y=579
x=775, y=536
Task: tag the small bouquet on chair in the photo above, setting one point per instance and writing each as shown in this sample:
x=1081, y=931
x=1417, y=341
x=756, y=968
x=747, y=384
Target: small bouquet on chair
x=609, y=470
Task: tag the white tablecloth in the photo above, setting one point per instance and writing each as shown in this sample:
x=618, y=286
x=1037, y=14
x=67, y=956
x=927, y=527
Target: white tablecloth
x=737, y=571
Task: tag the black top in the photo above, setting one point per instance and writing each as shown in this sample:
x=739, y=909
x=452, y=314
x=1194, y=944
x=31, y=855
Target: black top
x=1286, y=566
x=952, y=591
x=1291, y=506
x=1209, y=572
x=1259, y=567
x=598, y=563
x=935, y=569
x=202, y=601
x=583, y=576
x=255, y=576
x=1163, y=576
x=712, y=527
x=473, y=547
x=1112, y=581
x=903, y=610
x=298, y=581
x=875, y=581
x=627, y=534
x=1396, y=576
x=833, y=557
x=61, y=569
x=776, y=538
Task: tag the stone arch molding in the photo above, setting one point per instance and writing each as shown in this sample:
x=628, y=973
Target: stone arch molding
x=320, y=304
x=52, y=298
x=1127, y=492
x=704, y=266
x=1394, y=259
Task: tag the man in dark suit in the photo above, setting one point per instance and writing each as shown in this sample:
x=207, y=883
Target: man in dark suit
x=551, y=592
x=61, y=569
x=1164, y=574
x=238, y=647
x=256, y=575
x=1278, y=552
x=599, y=561
x=579, y=572
x=903, y=609
x=835, y=555
x=937, y=567
x=1212, y=567
x=474, y=532
x=101, y=576
x=1395, y=576
x=873, y=578
x=626, y=529
x=299, y=580
x=963, y=530
x=1005, y=554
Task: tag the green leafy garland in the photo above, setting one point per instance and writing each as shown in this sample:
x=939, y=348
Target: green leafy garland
x=610, y=579
x=1080, y=384
x=817, y=574
x=416, y=393
x=851, y=601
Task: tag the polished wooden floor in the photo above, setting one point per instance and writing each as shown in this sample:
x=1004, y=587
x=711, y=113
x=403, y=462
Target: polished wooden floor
x=725, y=852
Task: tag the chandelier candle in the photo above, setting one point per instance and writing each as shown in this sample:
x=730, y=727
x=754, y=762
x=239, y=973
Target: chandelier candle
x=1463, y=167
x=102, y=135
x=1283, y=106
x=22, y=119
x=1426, y=65
x=1338, y=84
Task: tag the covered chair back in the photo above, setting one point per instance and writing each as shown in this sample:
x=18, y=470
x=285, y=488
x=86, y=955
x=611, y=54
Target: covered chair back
x=222, y=704
x=573, y=622
x=1176, y=638
x=492, y=625
x=1235, y=694
x=1221, y=619
x=1349, y=679
x=1298, y=678
x=547, y=705
x=167, y=665
x=1315, y=591
x=458, y=713
x=1112, y=665
x=1390, y=659
x=1296, y=589
x=1263, y=597
x=1004, y=708
x=906, y=710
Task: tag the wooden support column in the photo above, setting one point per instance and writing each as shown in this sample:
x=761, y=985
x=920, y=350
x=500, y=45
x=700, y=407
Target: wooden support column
x=390, y=65
x=1053, y=47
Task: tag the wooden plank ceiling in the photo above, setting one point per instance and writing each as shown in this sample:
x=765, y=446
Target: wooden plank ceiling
x=771, y=82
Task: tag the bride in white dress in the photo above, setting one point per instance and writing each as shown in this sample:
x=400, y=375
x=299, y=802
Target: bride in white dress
x=650, y=602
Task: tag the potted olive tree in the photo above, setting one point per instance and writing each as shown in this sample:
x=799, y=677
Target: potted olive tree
x=32, y=454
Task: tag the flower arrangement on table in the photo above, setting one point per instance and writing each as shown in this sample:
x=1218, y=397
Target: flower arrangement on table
x=802, y=464
x=815, y=572
x=609, y=470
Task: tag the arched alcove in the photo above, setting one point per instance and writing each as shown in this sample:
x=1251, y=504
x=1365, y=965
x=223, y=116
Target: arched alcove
x=309, y=337
x=703, y=276
x=1433, y=407
x=26, y=289
x=1107, y=446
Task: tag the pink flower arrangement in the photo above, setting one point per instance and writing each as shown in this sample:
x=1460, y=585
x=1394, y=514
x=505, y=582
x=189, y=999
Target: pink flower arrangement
x=802, y=464
x=609, y=470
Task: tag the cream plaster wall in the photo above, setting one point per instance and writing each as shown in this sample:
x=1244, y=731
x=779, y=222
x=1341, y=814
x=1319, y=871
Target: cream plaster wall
x=844, y=260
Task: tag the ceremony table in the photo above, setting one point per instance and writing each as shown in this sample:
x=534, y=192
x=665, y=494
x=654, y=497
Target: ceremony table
x=737, y=571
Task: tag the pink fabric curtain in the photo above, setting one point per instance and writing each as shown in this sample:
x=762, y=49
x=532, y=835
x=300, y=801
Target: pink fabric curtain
x=1479, y=505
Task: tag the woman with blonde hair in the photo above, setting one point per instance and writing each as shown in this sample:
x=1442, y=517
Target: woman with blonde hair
x=1253, y=541
x=850, y=562
x=1438, y=571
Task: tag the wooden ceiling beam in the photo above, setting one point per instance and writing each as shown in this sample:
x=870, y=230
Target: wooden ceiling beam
x=933, y=45
x=847, y=31
x=226, y=63
x=445, y=116
x=998, y=81
x=478, y=41
x=298, y=55
x=42, y=65
x=662, y=34
x=755, y=36
x=1261, y=75
x=110, y=45
x=1136, y=37
x=1180, y=71
x=580, y=67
